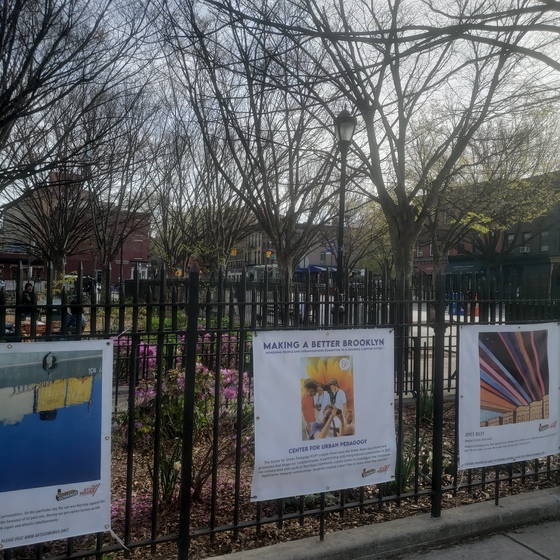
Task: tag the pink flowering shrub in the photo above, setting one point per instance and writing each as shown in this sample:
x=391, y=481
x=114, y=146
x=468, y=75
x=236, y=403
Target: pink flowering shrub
x=146, y=356
x=206, y=350
x=208, y=345
x=141, y=508
x=231, y=404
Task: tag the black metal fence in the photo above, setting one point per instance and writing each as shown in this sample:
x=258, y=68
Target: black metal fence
x=182, y=410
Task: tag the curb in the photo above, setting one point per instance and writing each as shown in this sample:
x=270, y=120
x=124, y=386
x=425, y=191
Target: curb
x=401, y=536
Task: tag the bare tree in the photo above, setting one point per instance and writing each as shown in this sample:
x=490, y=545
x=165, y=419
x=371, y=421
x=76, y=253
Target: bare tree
x=95, y=204
x=466, y=63
x=226, y=220
x=364, y=232
x=197, y=215
x=173, y=205
x=283, y=169
x=66, y=54
x=118, y=170
x=51, y=218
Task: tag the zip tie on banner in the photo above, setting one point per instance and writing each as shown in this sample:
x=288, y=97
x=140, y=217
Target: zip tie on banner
x=118, y=539
x=124, y=332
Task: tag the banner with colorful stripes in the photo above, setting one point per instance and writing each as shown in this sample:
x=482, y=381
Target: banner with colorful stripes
x=508, y=393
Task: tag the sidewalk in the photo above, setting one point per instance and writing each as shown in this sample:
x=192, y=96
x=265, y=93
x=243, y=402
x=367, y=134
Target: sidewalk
x=536, y=513
x=526, y=543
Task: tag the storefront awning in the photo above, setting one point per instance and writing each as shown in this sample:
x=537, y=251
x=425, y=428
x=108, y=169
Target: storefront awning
x=464, y=267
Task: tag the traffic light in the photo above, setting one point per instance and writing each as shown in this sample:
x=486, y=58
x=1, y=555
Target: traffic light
x=268, y=253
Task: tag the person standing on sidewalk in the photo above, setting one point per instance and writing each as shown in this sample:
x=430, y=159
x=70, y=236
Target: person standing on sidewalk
x=27, y=301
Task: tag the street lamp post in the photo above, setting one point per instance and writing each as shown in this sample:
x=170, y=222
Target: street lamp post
x=344, y=126
x=121, y=271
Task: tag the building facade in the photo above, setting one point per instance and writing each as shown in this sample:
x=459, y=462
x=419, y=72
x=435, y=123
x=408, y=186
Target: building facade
x=56, y=222
x=522, y=259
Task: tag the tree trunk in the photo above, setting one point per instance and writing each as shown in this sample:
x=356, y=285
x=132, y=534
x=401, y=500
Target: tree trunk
x=59, y=266
x=286, y=268
x=402, y=243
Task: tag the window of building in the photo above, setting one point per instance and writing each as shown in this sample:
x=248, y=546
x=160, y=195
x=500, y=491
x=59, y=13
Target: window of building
x=510, y=240
x=323, y=257
x=526, y=240
x=544, y=241
x=419, y=252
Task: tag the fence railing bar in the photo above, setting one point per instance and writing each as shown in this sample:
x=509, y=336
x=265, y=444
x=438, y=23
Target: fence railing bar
x=189, y=359
x=216, y=416
x=438, y=384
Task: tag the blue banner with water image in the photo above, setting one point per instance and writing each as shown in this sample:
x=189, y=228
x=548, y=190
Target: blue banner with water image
x=55, y=433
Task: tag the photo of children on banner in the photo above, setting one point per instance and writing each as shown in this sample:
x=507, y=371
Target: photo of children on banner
x=329, y=427
x=307, y=404
x=327, y=402
x=321, y=399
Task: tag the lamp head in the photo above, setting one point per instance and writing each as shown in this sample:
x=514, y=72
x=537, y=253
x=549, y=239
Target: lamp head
x=344, y=126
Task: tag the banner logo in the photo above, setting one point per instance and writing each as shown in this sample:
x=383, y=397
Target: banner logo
x=65, y=495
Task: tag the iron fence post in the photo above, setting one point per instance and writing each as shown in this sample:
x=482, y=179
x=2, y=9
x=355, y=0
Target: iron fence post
x=189, y=356
x=439, y=363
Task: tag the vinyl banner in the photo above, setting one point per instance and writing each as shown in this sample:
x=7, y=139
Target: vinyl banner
x=508, y=387
x=55, y=437
x=324, y=414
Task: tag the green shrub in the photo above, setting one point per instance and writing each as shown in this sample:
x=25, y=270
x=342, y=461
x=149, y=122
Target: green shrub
x=426, y=405
x=171, y=410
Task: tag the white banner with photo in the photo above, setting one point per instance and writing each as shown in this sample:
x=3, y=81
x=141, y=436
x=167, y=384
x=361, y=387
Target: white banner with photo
x=55, y=436
x=324, y=411
x=508, y=393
